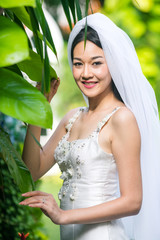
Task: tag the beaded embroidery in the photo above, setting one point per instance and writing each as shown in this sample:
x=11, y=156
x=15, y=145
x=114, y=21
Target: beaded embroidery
x=65, y=164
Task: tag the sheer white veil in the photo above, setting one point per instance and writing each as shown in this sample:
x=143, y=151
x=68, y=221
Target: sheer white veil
x=139, y=97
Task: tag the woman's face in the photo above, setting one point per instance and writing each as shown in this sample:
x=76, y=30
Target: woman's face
x=90, y=70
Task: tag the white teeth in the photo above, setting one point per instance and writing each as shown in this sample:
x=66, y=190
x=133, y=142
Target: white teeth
x=89, y=83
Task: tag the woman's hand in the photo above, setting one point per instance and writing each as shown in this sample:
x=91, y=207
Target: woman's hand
x=46, y=203
x=53, y=88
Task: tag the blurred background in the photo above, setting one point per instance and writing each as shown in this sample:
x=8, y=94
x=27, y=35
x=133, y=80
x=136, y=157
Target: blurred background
x=141, y=20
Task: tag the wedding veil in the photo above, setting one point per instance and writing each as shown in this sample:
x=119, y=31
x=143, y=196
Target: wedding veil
x=139, y=97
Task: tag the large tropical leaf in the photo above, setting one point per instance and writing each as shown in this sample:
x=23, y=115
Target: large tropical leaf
x=16, y=166
x=13, y=43
x=21, y=100
x=23, y=16
x=14, y=68
x=16, y=3
x=33, y=67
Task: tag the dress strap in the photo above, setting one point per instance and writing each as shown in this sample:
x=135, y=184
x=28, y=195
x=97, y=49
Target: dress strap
x=73, y=119
x=104, y=120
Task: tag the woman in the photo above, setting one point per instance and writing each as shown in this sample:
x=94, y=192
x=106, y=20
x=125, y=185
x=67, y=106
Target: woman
x=92, y=145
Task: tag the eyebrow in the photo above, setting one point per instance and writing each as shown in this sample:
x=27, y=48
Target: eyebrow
x=91, y=58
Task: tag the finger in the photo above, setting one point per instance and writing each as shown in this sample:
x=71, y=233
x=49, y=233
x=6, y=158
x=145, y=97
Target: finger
x=55, y=79
x=58, y=81
x=34, y=193
x=37, y=205
x=54, y=88
x=55, y=83
x=29, y=202
x=34, y=200
x=38, y=85
x=44, y=207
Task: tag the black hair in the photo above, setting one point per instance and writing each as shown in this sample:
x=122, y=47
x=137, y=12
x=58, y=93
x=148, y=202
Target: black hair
x=93, y=37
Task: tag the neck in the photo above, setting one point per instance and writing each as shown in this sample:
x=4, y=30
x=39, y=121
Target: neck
x=102, y=103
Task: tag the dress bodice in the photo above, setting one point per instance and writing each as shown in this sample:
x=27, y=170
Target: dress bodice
x=85, y=166
x=89, y=173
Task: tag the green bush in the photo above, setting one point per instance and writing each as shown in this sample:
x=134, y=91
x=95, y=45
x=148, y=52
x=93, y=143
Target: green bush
x=14, y=217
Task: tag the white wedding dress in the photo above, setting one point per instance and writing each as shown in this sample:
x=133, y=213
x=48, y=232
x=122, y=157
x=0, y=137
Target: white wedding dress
x=90, y=178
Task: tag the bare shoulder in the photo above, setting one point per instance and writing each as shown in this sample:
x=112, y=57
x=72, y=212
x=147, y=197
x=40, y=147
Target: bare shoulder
x=124, y=123
x=69, y=115
x=123, y=118
x=125, y=132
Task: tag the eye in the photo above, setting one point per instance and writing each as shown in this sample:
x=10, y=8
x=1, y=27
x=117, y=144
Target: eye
x=77, y=64
x=97, y=63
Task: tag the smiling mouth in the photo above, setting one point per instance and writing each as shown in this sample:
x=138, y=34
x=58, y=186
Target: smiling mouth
x=89, y=83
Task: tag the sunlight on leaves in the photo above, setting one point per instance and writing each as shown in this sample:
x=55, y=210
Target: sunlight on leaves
x=16, y=3
x=21, y=100
x=13, y=49
x=143, y=5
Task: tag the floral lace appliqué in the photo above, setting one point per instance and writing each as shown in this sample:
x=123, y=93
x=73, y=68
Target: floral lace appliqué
x=62, y=156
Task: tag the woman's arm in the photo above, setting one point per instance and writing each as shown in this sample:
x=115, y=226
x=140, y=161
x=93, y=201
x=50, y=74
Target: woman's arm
x=40, y=161
x=126, y=150
x=31, y=151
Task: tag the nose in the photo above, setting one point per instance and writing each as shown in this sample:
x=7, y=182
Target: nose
x=86, y=73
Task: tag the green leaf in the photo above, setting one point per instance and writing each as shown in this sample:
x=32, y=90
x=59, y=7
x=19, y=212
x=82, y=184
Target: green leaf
x=85, y=34
x=16, y=3
x=46, y=70
x=16, y=166
x=87, y=5
x=79, y=13
x=35, y=27
x=72, y=7
x=35, y=139
x=13, y=43
x=33, y=67
x=86, y=13
x=91, y=8
x=23, y=16
x=14, y=68
x=44, y=25
x=8, y=13
x=21, y=100
x=67, y=13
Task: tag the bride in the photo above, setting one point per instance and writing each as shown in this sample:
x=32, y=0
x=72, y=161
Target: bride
x=104, y=150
